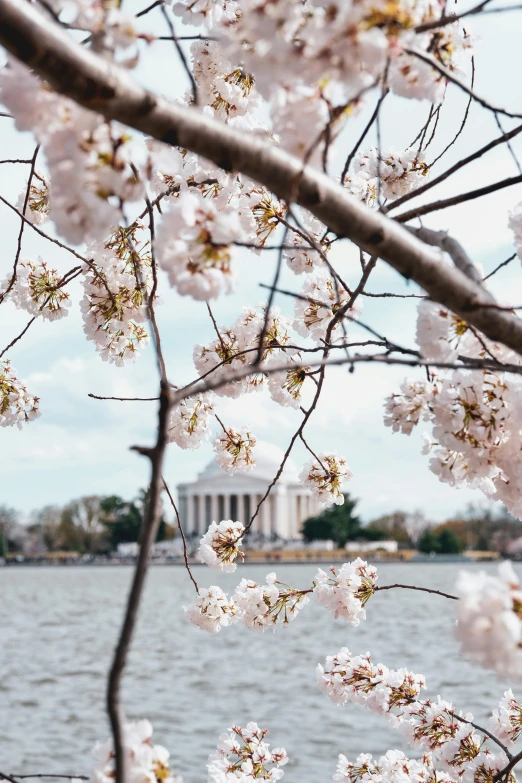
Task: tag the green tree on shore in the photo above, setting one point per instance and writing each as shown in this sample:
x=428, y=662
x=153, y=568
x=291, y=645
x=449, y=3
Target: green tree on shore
x=339, y=524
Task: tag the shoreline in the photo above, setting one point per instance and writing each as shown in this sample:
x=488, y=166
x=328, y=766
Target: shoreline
x=272, y=559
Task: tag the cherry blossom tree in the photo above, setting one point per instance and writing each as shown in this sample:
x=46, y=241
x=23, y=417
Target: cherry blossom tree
x=147, y=193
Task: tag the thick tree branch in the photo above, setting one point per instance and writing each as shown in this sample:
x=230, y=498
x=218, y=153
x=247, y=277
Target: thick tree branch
x=105, y=88
x=454, y=249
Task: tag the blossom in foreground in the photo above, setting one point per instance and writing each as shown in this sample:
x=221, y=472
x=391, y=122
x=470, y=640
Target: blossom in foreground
x=506, y=722
x=345, y=593
x=489, y=616
x=234, y=450
x=434, y=726
x=117, y=284
x=220, y=546
x=325, y=477
x=346, y=677
x=193, y=245
x=399, y=171
x=16, y=406
x=144, y=760
x=243, y=755
x=38, y=206
x=414, y=403
x=393, y=767
x=441, y=335
x=286, y=386
x=320, y=298
x=212, y=610
x=36, y=290
x=189, y=421
x=263, y=606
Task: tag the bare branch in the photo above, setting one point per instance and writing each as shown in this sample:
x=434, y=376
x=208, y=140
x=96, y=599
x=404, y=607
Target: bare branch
x=414, y=587
x=459, y=256
x=185, y=555
x=435, y=206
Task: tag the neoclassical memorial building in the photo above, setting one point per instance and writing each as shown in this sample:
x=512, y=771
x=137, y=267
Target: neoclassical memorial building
x=215, y=496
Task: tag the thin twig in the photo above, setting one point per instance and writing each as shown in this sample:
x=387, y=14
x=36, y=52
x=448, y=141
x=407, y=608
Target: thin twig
x=22, y=225
x=363, y=135
x=414, y=587
x=450, y=76
x=504, y=263
x=181, y=54
x=434, y=206
x=185, y=555
x=124, y=399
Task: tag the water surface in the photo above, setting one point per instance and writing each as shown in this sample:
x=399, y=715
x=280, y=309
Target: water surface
x=58, y=629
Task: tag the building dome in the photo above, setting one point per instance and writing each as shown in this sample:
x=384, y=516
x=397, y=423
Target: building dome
x=268, y=460
x=217, y=495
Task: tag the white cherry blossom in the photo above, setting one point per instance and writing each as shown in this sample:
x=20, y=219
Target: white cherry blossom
x=220, y=546
x=345, y=592
x=325, y=477
x=17, y=407
x=212, y=610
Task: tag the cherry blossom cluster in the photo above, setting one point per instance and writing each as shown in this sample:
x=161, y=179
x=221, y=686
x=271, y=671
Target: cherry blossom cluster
x=320, y=298
x=393, y=767
x=220, y=546
x=348, y=47
x=443, y=336
x=325, y=476
x=88, y=159
x=117, y=285
x=433, y=727
x=38, y=290
x=391, y=172
x=506, y=722
x=266, y=606
x=345, y=592
x=473, y=413
x=189, y=421
x=489, y=620
x=193, y=246
x=212, y=610
x=144, y=760
x=237, y=347
x=38, y=206
x=286, y=386
x=243, y=755
x=414, y=403
x=16, y=406
x=302, y=258
x=234, y=449
x=227, y=89
x=261, y=606
x=355, y=678
x=258, y=606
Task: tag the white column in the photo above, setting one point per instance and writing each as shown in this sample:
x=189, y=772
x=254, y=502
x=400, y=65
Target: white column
x=214, y=510
x=253, y=505
x=291, y=506
x=226, y=514
x=265, y=517
x=280, y=520
x=190, y=514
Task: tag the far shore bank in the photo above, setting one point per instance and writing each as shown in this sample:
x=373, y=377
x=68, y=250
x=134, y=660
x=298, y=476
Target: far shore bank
x=272, y=557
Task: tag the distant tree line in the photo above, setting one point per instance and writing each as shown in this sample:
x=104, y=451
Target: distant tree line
x=479, y=528
x=88, y=525
x=96, y=525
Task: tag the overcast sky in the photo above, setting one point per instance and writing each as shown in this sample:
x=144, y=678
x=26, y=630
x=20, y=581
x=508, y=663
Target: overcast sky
x=80, y=446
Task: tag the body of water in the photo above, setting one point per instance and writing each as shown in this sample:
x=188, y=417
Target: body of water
x=58, y=630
